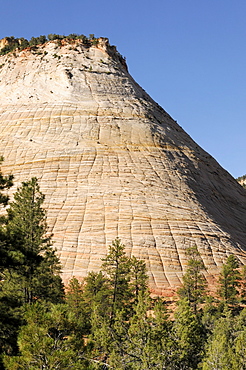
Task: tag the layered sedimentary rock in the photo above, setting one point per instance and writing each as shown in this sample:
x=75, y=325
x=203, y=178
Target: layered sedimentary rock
x=112, y=163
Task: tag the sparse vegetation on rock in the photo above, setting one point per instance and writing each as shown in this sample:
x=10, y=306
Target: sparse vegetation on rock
x=12, y=43
x=242, y=180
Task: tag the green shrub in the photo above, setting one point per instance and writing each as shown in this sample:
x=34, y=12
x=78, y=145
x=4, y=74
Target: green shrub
x=22, y=43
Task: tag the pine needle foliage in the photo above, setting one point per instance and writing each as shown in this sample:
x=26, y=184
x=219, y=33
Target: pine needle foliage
x=194, y=283
x=36, y=265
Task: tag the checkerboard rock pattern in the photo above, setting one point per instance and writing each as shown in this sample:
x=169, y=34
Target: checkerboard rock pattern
x=112, y=163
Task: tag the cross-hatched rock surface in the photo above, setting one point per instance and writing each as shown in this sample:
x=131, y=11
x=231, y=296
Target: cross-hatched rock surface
x=112, y=163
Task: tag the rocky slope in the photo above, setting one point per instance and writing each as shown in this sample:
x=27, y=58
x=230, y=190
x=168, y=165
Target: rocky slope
x=112, y=162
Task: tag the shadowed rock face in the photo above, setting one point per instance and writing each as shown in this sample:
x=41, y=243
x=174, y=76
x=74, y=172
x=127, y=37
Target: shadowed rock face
x=111, y=162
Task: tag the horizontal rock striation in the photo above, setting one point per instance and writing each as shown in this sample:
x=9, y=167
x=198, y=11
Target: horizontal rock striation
x=112, y=163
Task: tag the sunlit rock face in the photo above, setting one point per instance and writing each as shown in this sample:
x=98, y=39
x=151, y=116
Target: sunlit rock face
x=112, y=163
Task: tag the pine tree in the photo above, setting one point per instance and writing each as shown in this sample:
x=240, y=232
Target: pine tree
x=8, y=328
x=47, y=341
x=77, y=307
x=97, y=294
x=240, y=341
x=220, y=351
x=146, y=343
x=37, y=268
x=74, y=297
x=188, y=336
x=135, y=344
x=243, y=285
x=116, y=266
x=33, y=273
x=194, y=283
x=5, y=183
x=229, y=280
x=138, y=278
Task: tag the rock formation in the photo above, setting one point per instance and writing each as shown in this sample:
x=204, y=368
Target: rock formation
x=112, y=163
x=242, y=180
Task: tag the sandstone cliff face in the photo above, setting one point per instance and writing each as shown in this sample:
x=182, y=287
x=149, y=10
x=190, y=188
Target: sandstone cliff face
x=111, y=162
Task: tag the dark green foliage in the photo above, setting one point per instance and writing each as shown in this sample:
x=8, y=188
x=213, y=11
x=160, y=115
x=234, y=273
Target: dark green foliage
x=116, y=265
x=5, y=183
x=72, y=36
x=241, y=178
x=138, y=278
x=77, y=307
x=75, y=36
x=194, y=283
x=188, y=337
x=97, y=293
x=47, y=341
x=32, y=270
x=37, y=40
x=135, y=343
x=226, y=346
x=12, y=45
x=229, y=280
x=243, y=285
x=37, y=268
x=22, y=43
x=53, y=36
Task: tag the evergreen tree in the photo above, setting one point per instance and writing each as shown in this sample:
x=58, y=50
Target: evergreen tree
x=37, y=40
x=146, y=343
x=229, y=280
x=240, y=341
x=7, y=326
x=188, y=337
x=37, y=269
x=33, y=273
x=97, y=294
x=5, y=183
x=47, y=341
x=220, y=353
x=243, y=285
x=137, y=344
x=77, y=307
x=116, y=266
x=194, y=283
x=138, y=278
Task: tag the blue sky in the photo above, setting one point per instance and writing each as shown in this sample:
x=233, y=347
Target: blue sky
x=189, y=55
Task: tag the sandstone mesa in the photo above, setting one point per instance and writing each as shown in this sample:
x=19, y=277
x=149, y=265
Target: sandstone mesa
x=112, y=163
